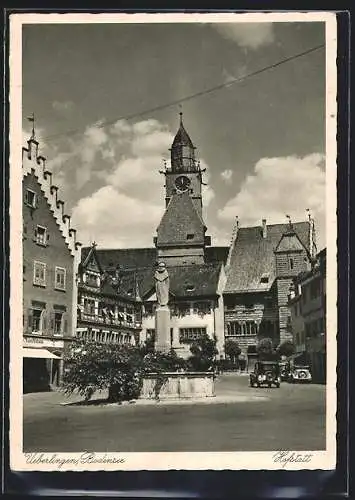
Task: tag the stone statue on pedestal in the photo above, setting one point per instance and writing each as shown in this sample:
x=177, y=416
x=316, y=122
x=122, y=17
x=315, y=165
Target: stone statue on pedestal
x=162, y=313
x=161, y=278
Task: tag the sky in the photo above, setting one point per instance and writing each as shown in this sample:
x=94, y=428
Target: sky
x=92, y=88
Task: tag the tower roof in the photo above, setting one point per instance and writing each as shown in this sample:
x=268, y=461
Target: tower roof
x=181, y=224
x=182, y=138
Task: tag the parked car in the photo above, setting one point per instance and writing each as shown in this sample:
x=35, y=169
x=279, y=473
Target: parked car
x=300, y=374
x=284, y=371
x=265, y=373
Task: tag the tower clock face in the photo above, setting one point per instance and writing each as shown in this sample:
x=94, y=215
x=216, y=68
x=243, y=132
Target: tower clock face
x=182, y=183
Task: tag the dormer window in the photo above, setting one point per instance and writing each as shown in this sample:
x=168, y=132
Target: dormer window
x=190, y=236
x=30, y=198
x=190, y=288
x=264, y=279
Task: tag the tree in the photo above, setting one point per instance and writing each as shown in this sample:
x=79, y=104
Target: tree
x=203, y=353
x=265, y=349
x=286, y=348
x=232, y=349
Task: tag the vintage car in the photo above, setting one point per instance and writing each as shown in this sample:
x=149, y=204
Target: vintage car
x=265, y=373
x=300, y=374
x=284, y=371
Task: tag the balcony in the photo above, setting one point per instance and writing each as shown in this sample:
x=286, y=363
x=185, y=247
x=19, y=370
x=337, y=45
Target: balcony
x=107, y=320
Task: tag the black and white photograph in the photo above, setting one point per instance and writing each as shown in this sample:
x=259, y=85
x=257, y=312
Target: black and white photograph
x=173, y=241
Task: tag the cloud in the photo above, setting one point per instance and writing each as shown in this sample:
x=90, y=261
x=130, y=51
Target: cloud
x=227, y=175
x=114, y=219
x=126, y=209
x=247, y=35
x=280, y=186
x=62, y=106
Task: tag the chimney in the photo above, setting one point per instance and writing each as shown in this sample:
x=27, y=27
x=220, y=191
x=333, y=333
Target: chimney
x=264, y=228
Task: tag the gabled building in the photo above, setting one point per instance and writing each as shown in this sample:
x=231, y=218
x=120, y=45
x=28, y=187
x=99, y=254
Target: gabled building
x=307, y=304
x=109, y=308
x=51, y=254
x=261, y=265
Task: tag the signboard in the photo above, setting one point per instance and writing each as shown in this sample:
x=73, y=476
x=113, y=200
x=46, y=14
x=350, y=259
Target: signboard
x=42, y=342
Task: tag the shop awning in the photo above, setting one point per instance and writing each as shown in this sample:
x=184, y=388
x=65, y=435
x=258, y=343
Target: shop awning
x=27, y=352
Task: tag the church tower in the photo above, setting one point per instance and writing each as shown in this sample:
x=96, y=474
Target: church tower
x=181, y=238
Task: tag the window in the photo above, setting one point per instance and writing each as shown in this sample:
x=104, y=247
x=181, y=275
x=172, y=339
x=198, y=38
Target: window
x=89, y=306
x=58, y=316
x=291, y=263
x=41, y=235
x=190, y=335
x=39, y=273
x=92, y=279
x=190, y=236
x=30, y=198
x=60, y=275
x=37, y=320
x=264, y=278
x=234, y=328
x=148, y=309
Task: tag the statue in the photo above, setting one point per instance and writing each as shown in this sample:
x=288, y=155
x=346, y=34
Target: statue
x=161, y=277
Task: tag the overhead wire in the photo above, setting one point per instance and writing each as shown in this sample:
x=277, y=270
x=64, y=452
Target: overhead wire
x=191, y=96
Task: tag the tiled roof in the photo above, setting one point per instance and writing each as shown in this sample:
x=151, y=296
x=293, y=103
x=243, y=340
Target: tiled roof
x=133, y=258
x=253, y=256
x=289, y=242
x=197, y=280
x=214, y=254
x=179, y=220
x=126, y=258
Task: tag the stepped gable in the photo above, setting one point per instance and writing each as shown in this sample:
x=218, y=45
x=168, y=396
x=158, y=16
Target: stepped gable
x=253, y=256
x=180, y=219
x=34, y=163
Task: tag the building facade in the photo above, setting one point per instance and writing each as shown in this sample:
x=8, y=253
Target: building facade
x=307, y=302
x=261, y=265
x=51, y=255
x=109, y=310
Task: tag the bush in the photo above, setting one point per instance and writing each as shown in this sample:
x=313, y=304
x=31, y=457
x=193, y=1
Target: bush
x=203, y=353
x=118, y=368
x=93, y=367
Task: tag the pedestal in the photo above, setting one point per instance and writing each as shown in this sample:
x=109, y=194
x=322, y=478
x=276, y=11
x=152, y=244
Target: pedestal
x=162, y=329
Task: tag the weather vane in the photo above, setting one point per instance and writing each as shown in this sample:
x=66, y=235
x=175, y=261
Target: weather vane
x=32, y=120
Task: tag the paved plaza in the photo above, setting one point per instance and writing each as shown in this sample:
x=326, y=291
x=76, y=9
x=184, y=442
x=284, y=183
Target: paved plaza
x=240, y=418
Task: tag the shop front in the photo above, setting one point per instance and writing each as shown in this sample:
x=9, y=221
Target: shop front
x=42, y=364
